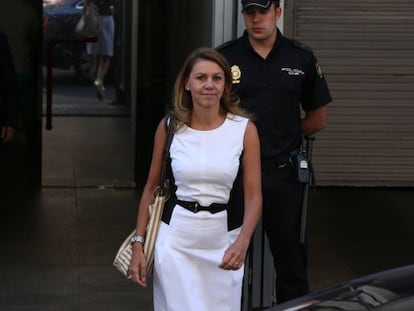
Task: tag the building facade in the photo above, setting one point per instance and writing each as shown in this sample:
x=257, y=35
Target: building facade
x=365, y=49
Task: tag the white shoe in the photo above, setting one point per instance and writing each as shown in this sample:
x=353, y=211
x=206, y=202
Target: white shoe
x=100, y=89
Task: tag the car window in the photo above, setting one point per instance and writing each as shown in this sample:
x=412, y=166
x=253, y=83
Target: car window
x=78, y=4
x=406, y=304
x=53, y=2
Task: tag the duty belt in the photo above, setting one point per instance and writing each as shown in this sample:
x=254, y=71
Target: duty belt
x=196, y=207
x=275, y=162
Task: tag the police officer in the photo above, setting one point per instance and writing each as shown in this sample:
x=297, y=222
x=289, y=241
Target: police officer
x=277, y=78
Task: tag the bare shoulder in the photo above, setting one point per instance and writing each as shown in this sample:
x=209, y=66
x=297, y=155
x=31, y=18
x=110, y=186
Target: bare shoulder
x=251, y=126
x=251, y=132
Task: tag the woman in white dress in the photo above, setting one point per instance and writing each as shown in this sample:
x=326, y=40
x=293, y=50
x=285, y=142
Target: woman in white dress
x=198, y=258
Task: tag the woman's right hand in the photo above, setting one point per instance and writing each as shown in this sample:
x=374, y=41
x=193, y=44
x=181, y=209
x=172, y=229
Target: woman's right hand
x=137, y=271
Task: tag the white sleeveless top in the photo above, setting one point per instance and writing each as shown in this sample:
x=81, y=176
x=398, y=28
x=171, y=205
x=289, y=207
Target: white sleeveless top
x=205, y=163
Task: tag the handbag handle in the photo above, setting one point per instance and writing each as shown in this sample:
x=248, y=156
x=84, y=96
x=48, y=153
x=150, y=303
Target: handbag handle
x=170, y=128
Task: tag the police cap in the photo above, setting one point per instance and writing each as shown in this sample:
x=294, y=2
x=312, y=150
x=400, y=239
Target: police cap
x=260, y=3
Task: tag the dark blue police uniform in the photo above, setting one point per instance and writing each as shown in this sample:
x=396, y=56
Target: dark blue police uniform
x=275, y=89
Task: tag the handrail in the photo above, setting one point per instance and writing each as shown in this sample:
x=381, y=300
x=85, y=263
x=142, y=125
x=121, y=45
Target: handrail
x=309, y=140
x=50, y=46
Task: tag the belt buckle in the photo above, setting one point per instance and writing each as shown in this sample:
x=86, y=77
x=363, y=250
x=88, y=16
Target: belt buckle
x=282, y=165
x=195, y=208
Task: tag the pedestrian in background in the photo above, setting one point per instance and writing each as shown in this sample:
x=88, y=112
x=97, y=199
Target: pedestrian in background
x=8, y=92
x=198, y=256
x=277, y=78
x=103, y=48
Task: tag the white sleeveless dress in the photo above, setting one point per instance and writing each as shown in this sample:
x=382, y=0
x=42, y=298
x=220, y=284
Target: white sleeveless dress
x=189, y=250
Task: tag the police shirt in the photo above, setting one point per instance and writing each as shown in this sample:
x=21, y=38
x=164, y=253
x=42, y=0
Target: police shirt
x=276, y=88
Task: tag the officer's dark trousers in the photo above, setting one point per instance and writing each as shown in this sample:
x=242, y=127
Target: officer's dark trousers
x=282, y=204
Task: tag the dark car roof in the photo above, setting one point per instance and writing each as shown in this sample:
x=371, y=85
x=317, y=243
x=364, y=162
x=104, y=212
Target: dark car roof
x=62, y=6
x=391, y=290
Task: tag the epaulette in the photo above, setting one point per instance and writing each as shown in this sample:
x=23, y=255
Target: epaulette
x=226, y=44
x=300, y=45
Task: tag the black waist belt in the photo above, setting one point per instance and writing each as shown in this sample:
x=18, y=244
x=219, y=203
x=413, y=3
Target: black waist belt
x=275, y=162
x=196, y=207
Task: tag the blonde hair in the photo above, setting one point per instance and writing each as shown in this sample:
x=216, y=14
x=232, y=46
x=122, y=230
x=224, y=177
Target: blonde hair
x=182, y=100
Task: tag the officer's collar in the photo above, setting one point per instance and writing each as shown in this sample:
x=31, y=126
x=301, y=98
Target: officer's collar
x=279, y=38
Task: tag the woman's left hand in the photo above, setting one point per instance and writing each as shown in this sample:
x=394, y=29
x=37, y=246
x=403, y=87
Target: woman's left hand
x=235, y=255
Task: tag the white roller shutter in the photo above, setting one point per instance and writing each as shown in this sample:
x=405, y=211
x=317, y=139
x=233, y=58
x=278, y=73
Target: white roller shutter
x=366, y=49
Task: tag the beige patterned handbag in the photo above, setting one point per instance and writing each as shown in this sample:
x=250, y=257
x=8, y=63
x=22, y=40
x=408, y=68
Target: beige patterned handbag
x=89, y=22
x=124, y=254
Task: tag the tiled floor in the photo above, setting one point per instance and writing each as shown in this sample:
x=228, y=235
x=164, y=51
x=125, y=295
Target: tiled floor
x=57, y=245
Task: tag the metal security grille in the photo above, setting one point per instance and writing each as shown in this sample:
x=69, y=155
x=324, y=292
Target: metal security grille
x=366, y=49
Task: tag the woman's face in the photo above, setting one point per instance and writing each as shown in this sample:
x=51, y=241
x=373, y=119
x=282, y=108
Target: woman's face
x=206, y=84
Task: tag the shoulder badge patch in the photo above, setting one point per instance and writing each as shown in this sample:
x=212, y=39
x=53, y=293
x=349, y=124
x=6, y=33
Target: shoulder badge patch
x=236, y=74
x=319, y=70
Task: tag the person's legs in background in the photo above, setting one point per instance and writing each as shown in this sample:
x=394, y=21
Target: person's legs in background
x=282, y=202
x=103, y=50
x=102, y=66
